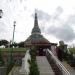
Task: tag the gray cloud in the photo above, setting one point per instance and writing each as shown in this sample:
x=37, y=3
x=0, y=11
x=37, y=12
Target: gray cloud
x=71, y=20
x=64, y=32
x=42, y=15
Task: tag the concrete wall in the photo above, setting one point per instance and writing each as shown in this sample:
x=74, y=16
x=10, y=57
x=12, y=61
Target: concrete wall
x=17, y=56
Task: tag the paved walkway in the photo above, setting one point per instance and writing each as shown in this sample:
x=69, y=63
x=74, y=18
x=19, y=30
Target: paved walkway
x=69, y=68
x=44, y=66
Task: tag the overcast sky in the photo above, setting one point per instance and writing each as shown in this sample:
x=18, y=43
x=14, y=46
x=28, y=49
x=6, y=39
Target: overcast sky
x=56, y=19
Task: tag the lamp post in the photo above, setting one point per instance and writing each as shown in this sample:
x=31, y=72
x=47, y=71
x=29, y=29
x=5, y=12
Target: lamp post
x=13, y=32
x=11, y=60
x=13, y=41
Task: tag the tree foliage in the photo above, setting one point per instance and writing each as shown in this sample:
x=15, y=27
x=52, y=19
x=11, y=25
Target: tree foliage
x=21, y=44
x=3, y=42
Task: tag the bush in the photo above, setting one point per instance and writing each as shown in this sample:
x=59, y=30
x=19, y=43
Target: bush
x=70, y=59
x=33, y=64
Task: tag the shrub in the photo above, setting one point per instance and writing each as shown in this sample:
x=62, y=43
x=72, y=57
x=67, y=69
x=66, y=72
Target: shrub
x=33, y=64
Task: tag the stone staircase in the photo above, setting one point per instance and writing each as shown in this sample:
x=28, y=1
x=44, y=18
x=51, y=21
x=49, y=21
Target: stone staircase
x=44, y=66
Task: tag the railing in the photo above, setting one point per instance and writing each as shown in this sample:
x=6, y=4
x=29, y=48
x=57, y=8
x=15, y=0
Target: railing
x=58, y=68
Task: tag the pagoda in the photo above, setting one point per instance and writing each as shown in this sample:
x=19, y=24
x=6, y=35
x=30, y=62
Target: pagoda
x=37, y=39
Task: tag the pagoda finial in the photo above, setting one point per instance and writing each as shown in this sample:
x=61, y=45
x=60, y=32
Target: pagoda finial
x=36, y=20
x=36, y=28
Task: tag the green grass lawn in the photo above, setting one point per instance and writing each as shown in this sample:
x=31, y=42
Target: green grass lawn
x=14, y=49
x=72, y=50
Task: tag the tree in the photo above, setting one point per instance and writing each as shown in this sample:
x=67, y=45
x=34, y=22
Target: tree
x=3, y=42
x=15, y=44
x=21, y=44
x=60, y=50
